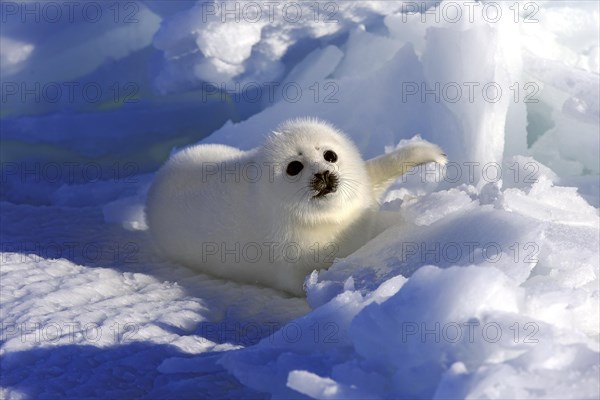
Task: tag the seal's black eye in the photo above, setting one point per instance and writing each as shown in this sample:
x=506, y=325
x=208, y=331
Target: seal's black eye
x=330, y=156
x=294, y=168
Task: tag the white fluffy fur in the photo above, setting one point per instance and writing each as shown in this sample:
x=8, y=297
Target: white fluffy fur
x=208, y=209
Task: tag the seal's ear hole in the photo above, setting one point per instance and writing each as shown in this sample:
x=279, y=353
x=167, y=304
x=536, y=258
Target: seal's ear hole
x=294, y=168
x=330, y=156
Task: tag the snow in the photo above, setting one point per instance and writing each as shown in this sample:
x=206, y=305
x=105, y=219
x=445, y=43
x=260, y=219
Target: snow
x=485, y=284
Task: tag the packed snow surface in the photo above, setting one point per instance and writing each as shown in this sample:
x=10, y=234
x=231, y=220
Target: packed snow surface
x=488, y=288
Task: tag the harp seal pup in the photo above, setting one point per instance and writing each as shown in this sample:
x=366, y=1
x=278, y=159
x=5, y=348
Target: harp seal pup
x=272, y=215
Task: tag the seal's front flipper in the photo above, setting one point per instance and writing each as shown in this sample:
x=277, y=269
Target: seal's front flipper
x=383, y=170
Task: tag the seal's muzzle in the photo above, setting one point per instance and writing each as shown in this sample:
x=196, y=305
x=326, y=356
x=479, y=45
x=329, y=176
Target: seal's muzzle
x=324, y=183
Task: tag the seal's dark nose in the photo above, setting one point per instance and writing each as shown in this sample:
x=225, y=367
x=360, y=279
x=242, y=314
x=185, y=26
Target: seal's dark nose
x=323, y=176
x=324, y=182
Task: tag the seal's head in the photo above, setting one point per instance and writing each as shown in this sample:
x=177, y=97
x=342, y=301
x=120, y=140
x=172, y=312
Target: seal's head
x=319, y=174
